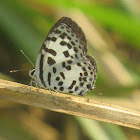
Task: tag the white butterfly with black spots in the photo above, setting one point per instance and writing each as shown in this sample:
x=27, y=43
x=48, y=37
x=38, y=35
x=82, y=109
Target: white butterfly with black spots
x=63, y=64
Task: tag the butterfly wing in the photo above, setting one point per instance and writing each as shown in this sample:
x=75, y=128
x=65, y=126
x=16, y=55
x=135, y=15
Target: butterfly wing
x=62, y=63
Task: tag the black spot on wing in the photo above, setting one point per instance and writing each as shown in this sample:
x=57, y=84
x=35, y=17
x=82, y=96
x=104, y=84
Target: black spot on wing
x=69, y=46
x=76, y=88
x=57, y=78
x=91, y=73
x=50, y=61
x=54, y=70
x=89, y=86
x=68, y=31
x=84, y=69
x=75, y=49
x=57, y=31
x=63, y=35
x=89, y=68
x=78, y=64
x=76, y=56
x=62, y=27
x=69, y=61
x=81, y=84
x=68, y=37
x=51, y=51
x=72, y=43
x=72, y=84
x=85, y=74
x=61, y=88
x=80, y=78
x=63, y=64
x=90, y=79
x=51, y=39
x=60, y=83
x=85, y=79
x=68, y=67
x=63, y=43
x=66, y=53
x=70, y=91
x=62, y=74
x=81, y=74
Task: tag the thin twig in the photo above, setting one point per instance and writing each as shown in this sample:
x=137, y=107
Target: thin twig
x=69, y=104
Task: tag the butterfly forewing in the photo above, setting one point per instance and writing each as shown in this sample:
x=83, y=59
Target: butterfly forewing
x=62, y=63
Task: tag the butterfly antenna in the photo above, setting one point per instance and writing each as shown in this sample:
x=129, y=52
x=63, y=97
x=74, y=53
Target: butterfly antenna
x=17, y=70
x=27, y=58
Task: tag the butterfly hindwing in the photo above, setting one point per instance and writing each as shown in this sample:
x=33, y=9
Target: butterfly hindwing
x=79, y=79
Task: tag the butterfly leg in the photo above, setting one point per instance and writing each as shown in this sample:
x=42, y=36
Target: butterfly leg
x=31, y=84
x=37, y=88
x=51, y=93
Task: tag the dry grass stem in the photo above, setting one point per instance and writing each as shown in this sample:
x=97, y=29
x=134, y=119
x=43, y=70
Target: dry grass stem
x=68, y=104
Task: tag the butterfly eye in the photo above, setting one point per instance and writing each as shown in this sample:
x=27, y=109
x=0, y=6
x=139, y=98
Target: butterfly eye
x=32, y=72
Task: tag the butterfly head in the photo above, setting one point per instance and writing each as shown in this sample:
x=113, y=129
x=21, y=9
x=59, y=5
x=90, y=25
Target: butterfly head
x=32, y=74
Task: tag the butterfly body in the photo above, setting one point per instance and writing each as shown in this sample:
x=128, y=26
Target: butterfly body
x=63, y=64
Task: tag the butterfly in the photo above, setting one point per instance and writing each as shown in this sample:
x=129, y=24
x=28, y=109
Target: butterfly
x=62, y=63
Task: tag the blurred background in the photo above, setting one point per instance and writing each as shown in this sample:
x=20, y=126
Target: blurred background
x=112, y=29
